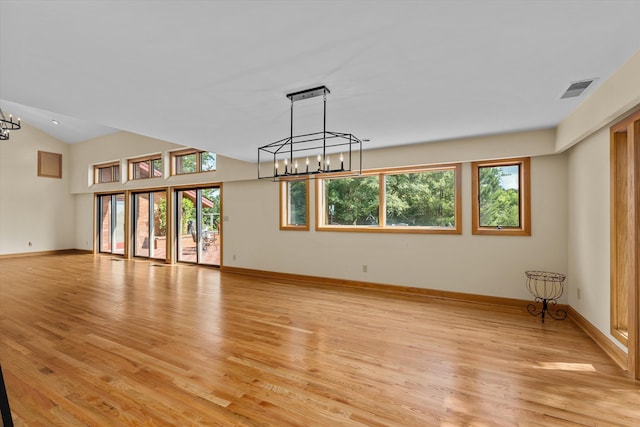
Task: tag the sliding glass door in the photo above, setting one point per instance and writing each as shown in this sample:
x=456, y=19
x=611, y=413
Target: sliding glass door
x=150, y=224
x=111, y=221
x=198, y=225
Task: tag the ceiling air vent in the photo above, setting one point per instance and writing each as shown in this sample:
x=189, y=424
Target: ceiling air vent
x=576, y=88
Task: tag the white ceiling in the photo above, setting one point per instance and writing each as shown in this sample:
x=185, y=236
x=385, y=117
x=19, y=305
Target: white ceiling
x=214, y=74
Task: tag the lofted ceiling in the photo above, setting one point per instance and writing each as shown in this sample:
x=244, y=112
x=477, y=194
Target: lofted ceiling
x=215, y=74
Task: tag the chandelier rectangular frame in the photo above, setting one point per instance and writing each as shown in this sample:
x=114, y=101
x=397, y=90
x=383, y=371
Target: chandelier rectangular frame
x=310, y=155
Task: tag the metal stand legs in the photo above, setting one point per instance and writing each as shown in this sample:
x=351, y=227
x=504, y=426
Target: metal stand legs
x=558, y=315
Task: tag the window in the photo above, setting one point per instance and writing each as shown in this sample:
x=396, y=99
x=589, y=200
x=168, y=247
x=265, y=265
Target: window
x=423, y=199
x=192, y=161
x=108, y=172
x=145, y=167
x=501, y=197
x=294, y=205
x=353, y=201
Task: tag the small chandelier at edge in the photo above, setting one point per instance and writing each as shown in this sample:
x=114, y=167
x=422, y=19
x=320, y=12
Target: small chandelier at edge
x=7, y=125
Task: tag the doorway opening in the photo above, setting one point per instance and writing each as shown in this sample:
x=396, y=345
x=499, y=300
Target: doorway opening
x=111, y=223
x=198, y=225
x=149, y=222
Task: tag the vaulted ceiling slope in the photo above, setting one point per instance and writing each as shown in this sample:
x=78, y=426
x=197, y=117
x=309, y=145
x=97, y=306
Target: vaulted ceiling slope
x=214, y=74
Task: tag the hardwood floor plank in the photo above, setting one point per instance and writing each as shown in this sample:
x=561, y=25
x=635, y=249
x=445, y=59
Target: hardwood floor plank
x=85, y=340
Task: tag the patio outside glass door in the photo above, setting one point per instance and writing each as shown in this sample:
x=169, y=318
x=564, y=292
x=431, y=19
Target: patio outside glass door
x=198, y=225
x=111, y=223
x=150, y=224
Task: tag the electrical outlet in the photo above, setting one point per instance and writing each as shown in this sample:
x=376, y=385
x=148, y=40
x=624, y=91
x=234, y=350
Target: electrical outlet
x=365, y=268
x=578, y=292
x=234, y=257
x=30, y=244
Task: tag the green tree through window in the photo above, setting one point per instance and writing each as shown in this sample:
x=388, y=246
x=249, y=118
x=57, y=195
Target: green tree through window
x=297, y=198
x=499, y=196
x=352, y=201
x=421, y=199
x=416, y=199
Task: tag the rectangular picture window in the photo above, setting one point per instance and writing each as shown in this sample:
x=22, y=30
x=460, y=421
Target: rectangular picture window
x=417, y=199
x=422, y=199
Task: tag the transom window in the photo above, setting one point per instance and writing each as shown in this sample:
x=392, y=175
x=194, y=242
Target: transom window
x=192, y=161
x=501, y=197
x=423, y=199
x=145, y=167
x=107, y=172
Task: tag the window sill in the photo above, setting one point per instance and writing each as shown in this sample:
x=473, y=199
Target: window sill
x=492, y=231
x=389, y=229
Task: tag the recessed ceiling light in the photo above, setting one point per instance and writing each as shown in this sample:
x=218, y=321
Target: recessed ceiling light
x=55, y=122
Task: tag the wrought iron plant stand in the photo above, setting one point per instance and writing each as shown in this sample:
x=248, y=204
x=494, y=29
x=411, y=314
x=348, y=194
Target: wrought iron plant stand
x=546, y=287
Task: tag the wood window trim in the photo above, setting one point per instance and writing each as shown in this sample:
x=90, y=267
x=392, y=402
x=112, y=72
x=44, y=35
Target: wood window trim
x=175, y=154
x=49, y=164
x=284, y=207
x=525, y=198
x=131, y=166
x=382, y=227
x=625, y=195
x=96, y=172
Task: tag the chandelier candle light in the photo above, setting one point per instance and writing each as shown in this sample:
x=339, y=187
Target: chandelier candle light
x=7, y=125
x=296, y=149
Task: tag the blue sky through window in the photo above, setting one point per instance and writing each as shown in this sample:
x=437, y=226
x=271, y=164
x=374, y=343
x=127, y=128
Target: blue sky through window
x=510, y=178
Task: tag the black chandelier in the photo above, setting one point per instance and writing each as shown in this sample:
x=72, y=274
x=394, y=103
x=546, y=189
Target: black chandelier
x=7, y=125
x=312, y=154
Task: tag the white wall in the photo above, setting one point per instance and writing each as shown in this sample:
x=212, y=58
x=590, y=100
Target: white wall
x=487, y=265
x=586, y=130
x=589, y=230
x=84, y=212
x=34, y=209
x=122, y=146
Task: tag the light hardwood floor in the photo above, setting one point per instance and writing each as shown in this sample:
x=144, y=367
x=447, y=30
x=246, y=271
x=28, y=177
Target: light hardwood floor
x=89, y=340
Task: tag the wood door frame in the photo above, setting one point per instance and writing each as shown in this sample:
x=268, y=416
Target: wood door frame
x=625, y=199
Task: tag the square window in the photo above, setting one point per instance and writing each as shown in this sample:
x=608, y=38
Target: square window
x=186, y=163
x=352, y=201
x=501, y=195
x=207, y=161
